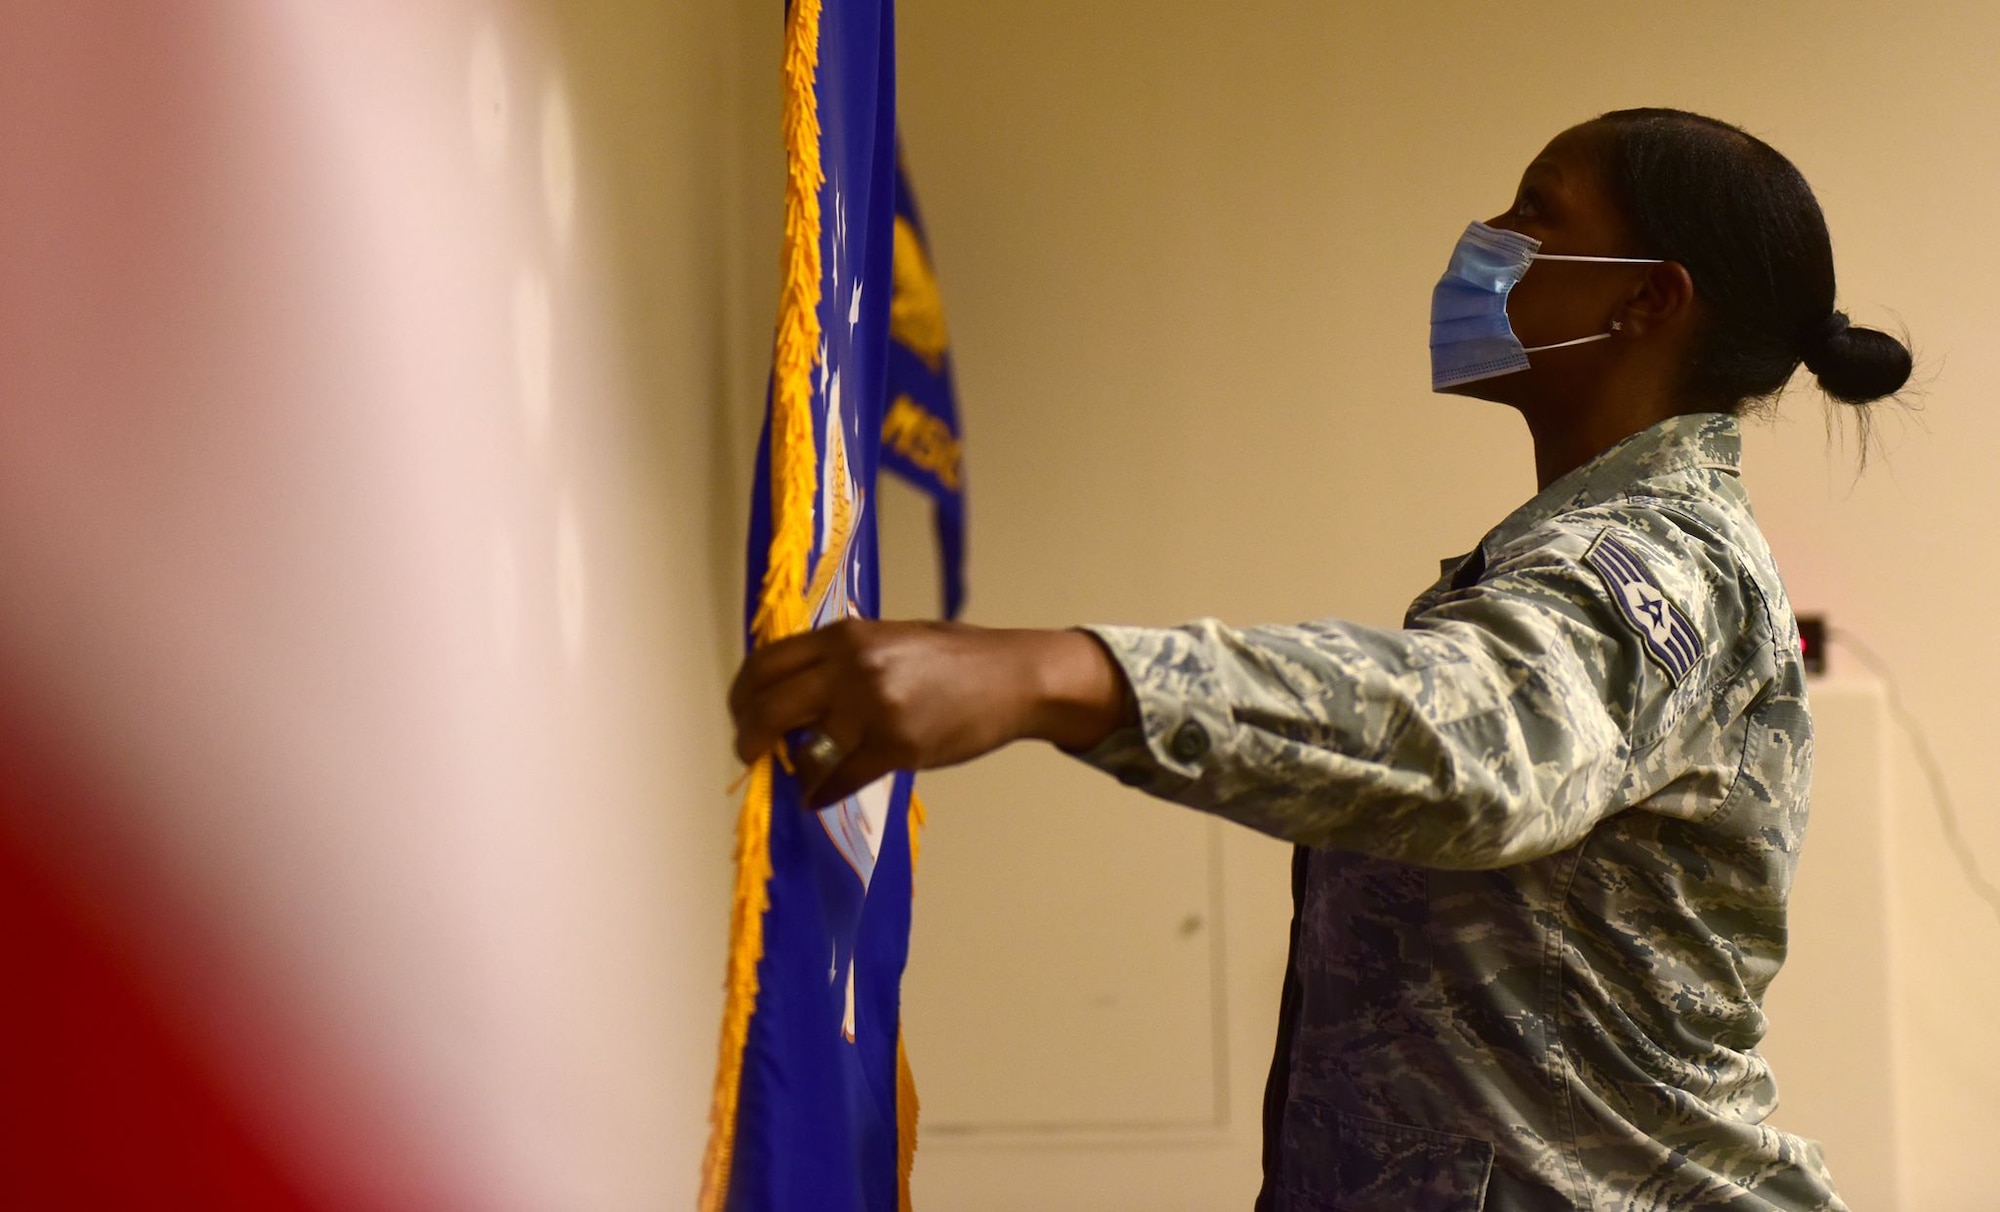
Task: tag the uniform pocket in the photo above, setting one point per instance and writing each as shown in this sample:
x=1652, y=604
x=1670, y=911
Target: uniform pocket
x=1336, y=1162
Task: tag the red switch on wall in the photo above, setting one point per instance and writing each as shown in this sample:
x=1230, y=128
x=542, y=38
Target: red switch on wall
x=1812, y=642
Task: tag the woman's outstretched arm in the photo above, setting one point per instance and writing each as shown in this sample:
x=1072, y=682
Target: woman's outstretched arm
x=1509, y=719
x=914, y=696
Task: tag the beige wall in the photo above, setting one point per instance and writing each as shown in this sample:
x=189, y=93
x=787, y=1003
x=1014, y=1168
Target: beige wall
x=670, y=101
x=1187, y=252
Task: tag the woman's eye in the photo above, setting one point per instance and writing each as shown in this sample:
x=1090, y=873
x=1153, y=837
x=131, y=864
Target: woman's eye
x=1525, y=207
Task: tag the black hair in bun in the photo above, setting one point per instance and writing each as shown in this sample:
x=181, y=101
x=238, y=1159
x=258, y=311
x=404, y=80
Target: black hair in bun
x=1742, y=221
x=1856, y=365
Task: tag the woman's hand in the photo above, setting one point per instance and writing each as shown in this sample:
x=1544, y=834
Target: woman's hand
x=912, y=696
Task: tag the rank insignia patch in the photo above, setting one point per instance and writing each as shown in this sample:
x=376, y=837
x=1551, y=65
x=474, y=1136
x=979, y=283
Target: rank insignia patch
x=1669, y=637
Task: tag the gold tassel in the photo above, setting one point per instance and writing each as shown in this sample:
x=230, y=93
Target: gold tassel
x=781, y=603
x=906, y=1123
x=746, y=948
x=781, y=609
x=906, y=1082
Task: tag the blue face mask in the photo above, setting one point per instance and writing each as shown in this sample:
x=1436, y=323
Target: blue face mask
x=1470, y=336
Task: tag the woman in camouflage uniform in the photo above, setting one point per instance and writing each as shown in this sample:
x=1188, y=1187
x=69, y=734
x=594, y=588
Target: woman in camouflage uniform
x=1546, y=829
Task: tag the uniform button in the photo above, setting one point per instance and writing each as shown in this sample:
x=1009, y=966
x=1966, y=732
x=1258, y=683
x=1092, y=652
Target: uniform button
x=1189, y=743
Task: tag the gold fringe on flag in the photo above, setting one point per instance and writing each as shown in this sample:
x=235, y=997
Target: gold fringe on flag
x=746, y=948
x=781, y=603
x=906, y=1082
x=781, y=608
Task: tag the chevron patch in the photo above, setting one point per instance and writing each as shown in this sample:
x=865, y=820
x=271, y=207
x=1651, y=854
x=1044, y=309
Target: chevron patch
x=1669, y=638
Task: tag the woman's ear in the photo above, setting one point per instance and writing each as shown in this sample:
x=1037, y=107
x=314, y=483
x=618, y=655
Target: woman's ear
x=1663, y=298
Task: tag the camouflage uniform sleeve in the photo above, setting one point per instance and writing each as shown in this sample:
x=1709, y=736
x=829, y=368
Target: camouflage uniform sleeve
x=1500, y=725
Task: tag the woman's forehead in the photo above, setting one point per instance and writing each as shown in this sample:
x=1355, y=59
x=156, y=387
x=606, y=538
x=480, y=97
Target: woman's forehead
x=1574, y=153
x=1572, y=166
x=1571, y=173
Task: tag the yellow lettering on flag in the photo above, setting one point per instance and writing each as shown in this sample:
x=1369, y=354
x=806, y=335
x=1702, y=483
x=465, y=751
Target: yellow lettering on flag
x=923, y=439
x=916, y=309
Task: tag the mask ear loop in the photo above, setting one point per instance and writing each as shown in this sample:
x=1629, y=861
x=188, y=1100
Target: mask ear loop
x=1603, y=336
x=1616, y=326
x=1601, y=260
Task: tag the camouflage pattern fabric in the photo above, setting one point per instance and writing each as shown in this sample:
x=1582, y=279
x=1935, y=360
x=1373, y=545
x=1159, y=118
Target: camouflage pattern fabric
x=1547, y=829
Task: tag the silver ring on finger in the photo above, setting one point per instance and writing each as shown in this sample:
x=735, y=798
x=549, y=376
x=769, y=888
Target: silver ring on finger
x=823, y=752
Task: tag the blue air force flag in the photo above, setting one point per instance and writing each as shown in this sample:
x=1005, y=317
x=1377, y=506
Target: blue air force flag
x=920, y=434
x=813, y=1110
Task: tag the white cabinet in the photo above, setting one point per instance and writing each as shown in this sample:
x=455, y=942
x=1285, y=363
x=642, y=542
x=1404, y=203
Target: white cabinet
x=1831, y=1008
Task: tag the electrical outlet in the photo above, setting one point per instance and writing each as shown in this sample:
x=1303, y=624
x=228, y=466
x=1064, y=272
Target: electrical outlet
x=1812, y=642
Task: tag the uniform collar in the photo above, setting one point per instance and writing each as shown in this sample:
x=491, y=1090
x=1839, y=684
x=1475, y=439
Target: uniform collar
x=1694, y=440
